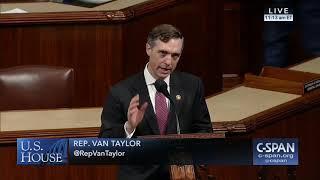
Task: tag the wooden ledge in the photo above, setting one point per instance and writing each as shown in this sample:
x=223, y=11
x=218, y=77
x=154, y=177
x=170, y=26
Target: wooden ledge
x=283, y=80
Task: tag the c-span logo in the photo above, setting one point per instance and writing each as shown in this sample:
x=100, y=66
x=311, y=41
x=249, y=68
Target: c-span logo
x=278, y=14
x=275, y=151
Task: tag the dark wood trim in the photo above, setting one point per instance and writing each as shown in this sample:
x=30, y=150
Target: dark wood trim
x=88, y=16
x=273, y=84
x=151, y=6
x=287, y=74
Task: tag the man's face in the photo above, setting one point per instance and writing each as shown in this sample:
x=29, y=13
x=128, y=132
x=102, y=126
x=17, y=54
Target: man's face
x=164, y=57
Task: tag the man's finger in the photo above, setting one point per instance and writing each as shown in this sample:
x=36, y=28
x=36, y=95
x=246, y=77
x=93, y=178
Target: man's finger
x=132, y=111
x=134, y=99
x=144, y=107
x=133, y=105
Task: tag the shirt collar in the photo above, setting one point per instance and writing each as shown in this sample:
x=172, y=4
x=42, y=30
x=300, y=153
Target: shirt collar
x=150, y=79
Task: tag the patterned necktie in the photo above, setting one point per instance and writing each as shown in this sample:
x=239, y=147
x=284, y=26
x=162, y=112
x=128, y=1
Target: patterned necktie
x=161, y=112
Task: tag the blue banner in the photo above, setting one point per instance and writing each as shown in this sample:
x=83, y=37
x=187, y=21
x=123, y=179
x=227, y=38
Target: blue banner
x=162, y=151
x=42, y=151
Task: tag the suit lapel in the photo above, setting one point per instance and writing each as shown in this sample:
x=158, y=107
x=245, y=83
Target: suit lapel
x=176, y=93
x=140, y=88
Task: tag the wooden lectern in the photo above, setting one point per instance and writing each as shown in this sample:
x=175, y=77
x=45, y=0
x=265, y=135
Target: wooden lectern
x=186, y=172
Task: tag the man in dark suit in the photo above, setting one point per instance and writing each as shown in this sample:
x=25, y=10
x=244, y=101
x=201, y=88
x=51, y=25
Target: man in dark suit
x=134, y=107
x=306, y=21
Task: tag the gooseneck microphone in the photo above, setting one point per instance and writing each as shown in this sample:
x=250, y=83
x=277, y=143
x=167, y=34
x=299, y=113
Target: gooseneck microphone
x=161, y=86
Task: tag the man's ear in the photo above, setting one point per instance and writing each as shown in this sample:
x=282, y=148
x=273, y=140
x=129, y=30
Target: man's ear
x=148, y=49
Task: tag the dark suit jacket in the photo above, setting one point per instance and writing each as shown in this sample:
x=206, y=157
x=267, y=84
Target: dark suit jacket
x=191, y=110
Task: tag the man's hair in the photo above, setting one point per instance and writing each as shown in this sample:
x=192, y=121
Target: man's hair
x=163, y=32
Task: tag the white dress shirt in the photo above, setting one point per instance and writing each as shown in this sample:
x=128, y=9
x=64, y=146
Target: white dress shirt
x=150, y=80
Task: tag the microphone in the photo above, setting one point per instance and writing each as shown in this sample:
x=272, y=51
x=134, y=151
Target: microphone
x=161, y=86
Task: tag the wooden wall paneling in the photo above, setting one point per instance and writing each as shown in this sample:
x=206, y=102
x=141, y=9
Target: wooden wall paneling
x=215, y=9
x=93, y=50
x=231, y=61
x=105, y=47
